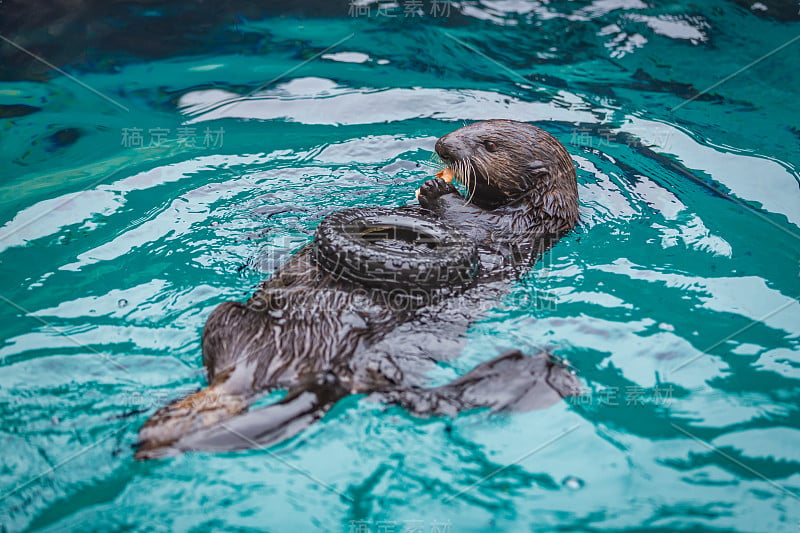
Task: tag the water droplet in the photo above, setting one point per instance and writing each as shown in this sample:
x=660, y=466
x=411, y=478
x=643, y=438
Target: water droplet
x=573, y=483
x=122, y=303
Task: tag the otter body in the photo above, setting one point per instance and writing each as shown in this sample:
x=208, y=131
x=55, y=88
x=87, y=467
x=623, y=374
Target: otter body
x=322, y=337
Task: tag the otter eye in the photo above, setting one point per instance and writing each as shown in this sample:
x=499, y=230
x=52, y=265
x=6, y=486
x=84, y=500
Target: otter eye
x=490, y=146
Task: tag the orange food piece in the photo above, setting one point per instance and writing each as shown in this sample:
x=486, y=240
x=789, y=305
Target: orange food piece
x=446, y=174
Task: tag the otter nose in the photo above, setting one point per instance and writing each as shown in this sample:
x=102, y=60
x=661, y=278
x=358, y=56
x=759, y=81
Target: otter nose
x=447, y=149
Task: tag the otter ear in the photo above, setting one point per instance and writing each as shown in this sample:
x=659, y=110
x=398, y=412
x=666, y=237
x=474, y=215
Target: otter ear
x=537, y=169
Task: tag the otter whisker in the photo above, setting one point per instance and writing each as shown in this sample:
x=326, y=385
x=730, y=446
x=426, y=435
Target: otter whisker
x=461, y=173
x=484, y=171
x=464, y=173
x=473, y=181
x=467, y=176
x=437, y=162
x=462, y=178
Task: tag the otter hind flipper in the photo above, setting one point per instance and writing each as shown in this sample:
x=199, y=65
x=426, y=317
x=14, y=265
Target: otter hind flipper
x=510, y=382
x=303, y=405
x=205, y=408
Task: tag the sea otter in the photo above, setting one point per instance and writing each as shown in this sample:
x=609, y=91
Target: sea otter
x=321, y=335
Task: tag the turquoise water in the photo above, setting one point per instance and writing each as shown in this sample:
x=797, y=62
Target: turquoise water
x=126, y=218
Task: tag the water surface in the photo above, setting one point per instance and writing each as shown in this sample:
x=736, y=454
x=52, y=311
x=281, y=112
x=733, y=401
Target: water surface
x=207, y=160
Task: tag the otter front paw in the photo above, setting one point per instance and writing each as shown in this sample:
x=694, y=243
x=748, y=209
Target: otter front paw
x=431, y=190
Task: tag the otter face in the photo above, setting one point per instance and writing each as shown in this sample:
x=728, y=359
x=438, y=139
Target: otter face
x=500, y=161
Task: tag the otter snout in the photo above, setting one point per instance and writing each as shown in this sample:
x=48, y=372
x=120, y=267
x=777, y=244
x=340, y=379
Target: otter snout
x=450, y=149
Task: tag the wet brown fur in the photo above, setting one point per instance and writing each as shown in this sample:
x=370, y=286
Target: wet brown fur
x=322, y=338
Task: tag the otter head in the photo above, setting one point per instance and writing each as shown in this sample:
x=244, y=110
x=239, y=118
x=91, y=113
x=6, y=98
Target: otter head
x=502, y=161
